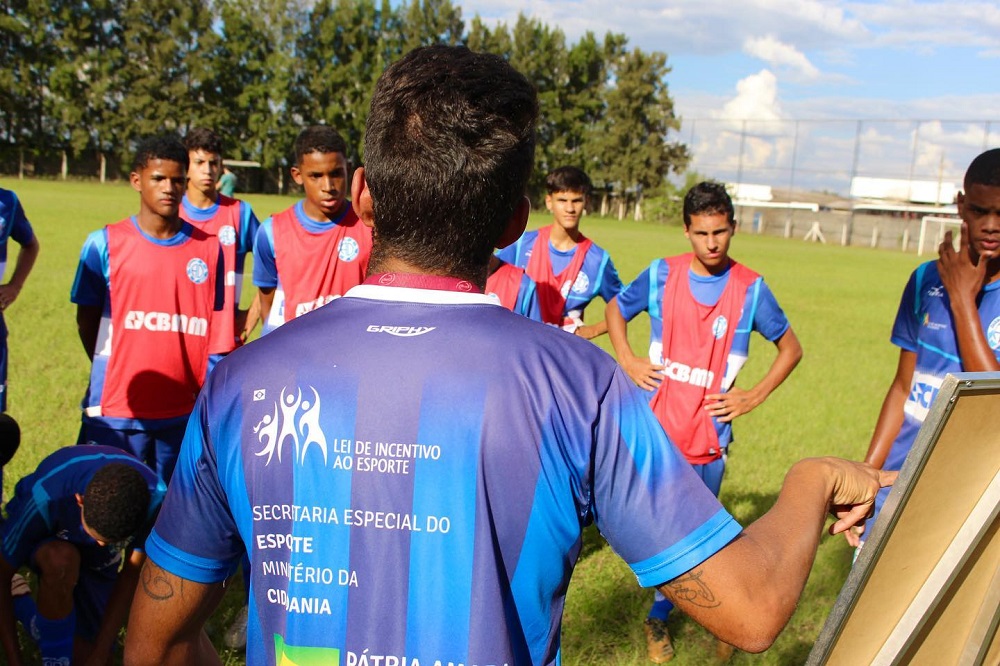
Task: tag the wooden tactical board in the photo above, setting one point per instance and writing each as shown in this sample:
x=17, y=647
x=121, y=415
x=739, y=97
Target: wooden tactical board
x=926, y=586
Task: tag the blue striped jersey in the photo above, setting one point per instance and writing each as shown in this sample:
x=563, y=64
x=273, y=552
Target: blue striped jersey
x=411, y=472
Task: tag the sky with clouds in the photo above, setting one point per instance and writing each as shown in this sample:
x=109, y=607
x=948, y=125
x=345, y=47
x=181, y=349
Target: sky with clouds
x=923, y=76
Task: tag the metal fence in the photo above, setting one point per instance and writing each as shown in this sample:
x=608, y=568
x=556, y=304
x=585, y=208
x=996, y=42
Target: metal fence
x=817, y=160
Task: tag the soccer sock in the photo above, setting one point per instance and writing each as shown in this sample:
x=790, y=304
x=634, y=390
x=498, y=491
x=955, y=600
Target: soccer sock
x=56, y=639
x=26, y=612
x=661, y=608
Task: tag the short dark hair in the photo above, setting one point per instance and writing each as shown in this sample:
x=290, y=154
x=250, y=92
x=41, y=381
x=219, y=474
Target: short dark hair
x=10, y=438
x=568, y=179
x=319, y=139
x=202, y=138
x=708, y=197
x=449, y=147
x=162, y=147
x=984, y=170
x=116, y=501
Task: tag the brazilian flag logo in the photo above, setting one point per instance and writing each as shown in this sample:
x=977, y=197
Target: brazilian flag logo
x=294, y=655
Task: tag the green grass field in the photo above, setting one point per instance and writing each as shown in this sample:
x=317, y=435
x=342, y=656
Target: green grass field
x=841, y=302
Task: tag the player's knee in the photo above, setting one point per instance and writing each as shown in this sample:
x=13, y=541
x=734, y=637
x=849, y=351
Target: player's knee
x=58, y=564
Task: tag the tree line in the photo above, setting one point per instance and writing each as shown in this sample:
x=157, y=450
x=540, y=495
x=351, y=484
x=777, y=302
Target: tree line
x=88, y=78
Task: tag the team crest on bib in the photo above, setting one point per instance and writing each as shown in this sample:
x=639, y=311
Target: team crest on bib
x=581, y=284
x=719, y=327
x=227, y=235
x=993, y=334
x=348, y=250
x=197, y=271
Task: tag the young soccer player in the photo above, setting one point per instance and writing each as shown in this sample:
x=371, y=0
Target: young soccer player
x=13, y=224
x=145, y=292
x=517, y=292
x=313, y=252
x=69, y=521
x=702, y=307
x=235, y=225
x=403, y=500
x=948, y=320
x=569, y=269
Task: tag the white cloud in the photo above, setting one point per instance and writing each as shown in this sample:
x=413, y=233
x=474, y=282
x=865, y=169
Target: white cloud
x=780, y=55
x=756, y=98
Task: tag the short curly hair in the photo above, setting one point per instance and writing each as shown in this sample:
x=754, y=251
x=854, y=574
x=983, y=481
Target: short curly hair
x=116, y=501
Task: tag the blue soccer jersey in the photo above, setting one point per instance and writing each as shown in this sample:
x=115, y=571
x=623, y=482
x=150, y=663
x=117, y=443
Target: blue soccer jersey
x=402, y=494
x=761, y=313
x=924, y=326
x=13, y=224
x=597, y=277
x=44, y=507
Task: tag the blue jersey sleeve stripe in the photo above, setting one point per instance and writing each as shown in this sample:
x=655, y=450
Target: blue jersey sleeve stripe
x=689, y=553
x=605, y=258
x=753, y=293
x=655, y=291
x=16, y=532
x=938, y=351
x=919, y=277
x=185, y=565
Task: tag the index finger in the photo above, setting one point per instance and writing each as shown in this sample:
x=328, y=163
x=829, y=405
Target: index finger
x=886, y=479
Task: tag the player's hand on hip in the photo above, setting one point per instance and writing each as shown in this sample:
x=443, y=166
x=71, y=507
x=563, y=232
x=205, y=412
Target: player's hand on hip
x=727, y=406
x=643, y=372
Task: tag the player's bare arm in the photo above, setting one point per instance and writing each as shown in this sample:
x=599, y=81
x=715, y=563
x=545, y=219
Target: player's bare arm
x=8, y=630
x=643, y=372
x=963, y=279
x=116, y=612
x=736, y=402
x=266, y=297
x=166, y=625
x=745, y=593
x=591, y=331
x=22, y=268
x=249, y=317
x=88, y=324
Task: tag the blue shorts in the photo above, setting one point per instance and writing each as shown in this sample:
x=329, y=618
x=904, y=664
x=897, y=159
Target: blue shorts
x=157, y=448
x=711, y=474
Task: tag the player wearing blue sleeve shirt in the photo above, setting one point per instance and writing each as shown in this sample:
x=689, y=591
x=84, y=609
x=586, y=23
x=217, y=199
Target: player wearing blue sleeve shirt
x=948, y=320
x=695, y=351
x=13, y=224
x=69, y=521
x=568, y=268
x=235, y=225
x=402, y=496
x=146, y=292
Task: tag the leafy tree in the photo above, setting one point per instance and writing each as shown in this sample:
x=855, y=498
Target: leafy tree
x=633, y=148
x=28, y=60
x=259, y=66
x=342, y=52
x=84, y=82
x=483, y=40
x=165, y=74
x=426, y=22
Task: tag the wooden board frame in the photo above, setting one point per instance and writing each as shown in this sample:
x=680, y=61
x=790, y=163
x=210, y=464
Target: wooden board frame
x=926, y=587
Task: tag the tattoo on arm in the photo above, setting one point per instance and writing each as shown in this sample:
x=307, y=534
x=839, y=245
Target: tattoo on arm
x=692, y=589
x=157, y=583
